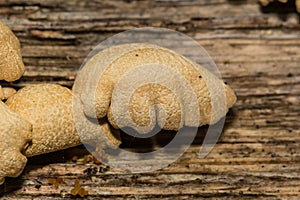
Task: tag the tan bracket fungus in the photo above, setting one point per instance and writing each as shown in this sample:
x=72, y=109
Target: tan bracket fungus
x=15, y=132
x=121, y=59
x=11, y=64
x=49, y=108
x=15, y=135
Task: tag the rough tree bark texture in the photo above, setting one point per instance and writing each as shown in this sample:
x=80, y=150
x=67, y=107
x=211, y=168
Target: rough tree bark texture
x=257, y=51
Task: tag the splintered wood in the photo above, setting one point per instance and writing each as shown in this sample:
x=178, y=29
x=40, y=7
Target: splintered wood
x=257, y=53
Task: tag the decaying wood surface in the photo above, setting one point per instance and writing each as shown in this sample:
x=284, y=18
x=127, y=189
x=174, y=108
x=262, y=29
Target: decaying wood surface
x=257, y=51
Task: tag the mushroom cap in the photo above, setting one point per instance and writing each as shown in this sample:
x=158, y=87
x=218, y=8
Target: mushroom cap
x=15, y=134
x=11, y=64
x=119, y=61
x=49, y=108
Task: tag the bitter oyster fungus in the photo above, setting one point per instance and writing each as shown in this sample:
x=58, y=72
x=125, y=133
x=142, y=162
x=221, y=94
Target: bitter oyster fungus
x=11, y=64
x=49, y=108
x=120, y=61
x=15, y=134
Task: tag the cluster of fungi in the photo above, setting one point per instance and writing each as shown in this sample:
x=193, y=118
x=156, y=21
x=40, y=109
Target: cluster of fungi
x=39, y=118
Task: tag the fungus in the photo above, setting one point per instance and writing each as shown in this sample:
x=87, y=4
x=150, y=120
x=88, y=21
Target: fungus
x=15, y=132
x=48, y=107
x=15, y=135
x=6, y=92
x=121, y=60
x=11, y=64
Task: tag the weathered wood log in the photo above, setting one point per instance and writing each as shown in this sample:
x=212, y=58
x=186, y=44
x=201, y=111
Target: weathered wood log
x=257, y=52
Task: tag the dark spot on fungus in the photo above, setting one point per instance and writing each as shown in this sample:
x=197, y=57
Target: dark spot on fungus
x=225, y=83
x=136, y=55
x=200, y=76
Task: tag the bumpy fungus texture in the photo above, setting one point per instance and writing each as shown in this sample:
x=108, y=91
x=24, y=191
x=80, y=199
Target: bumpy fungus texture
x=11, y=64
x=6, y=92
x=123, y=59
x=15, y=134
x=49, y=108
x=266, y=2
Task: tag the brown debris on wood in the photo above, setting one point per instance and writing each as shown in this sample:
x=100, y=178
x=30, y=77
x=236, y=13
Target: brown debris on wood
x=56, y=182
x=78, y=190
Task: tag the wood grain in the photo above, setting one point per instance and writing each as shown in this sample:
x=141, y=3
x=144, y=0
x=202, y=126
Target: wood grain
x=257, y=52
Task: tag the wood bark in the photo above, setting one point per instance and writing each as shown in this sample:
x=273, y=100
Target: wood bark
x=257, y=52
